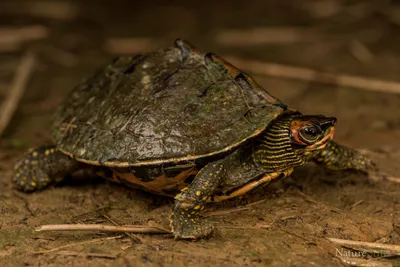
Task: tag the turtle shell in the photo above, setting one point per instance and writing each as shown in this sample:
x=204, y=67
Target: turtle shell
x=163, y=107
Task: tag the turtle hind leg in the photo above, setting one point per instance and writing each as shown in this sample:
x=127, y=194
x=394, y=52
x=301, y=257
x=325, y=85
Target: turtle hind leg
x=338, y=157
x=38, y=168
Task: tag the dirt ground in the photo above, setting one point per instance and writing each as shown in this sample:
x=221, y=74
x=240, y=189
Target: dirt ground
x=286, y=224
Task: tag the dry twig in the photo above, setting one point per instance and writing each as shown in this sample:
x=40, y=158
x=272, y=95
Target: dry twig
x=375, y=248
x=135, y=238
x=347, y=259
x=357, y=262
x=94, y=255
x=16, y=90
x=378, y=177
x=310, y=75
x=77, y=244
x=393, y=179
x=139, y=229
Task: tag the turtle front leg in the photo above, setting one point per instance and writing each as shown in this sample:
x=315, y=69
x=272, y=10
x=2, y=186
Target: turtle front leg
x=338, y=157
x=185, y=219
x=38, y=168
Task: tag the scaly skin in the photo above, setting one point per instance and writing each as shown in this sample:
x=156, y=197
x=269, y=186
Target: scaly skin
x=185, y=219
x=338, y=157
x=38, y=168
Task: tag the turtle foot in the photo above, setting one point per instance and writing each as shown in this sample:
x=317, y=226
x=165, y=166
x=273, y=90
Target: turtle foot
x=189, y=226
x=29, y=175
x=40, y=167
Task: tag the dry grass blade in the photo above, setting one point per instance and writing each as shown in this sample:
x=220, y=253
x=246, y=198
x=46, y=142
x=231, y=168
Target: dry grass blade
x=310, y=75
x=347, y=259
x=262, y=36
x=139, y=229
x=77, y=244
x=130, y=235
x=376, y=248
x=379, y=177
x=129, y=46
x=360, y=51
x=393, y=179
x=12, y=38
x=351, y=261
x=94, y=255
x=17, y=89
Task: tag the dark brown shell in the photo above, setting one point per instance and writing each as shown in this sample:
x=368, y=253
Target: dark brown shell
x=160, y=107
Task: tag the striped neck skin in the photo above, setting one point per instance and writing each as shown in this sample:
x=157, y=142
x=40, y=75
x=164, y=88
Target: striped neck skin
x=274, y=150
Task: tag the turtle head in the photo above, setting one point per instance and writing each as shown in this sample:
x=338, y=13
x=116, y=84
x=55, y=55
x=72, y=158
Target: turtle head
x=292, y=140
x=312, y=132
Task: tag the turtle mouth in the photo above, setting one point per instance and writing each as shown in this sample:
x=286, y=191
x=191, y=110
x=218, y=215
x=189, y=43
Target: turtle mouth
x=328, y=136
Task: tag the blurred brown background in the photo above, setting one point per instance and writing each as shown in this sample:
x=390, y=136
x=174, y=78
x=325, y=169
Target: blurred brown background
x=339, y=58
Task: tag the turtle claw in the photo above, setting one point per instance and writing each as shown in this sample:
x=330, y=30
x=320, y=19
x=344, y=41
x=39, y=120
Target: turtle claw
x=187, y=226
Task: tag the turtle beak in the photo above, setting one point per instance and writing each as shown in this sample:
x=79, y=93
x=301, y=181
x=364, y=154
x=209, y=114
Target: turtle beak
x=328, y=127
x=327, y=123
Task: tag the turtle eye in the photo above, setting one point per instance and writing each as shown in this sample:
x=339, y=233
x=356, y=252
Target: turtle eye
x=310, y=134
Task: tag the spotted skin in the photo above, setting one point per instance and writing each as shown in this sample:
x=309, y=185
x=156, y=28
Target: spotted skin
x=38, y=168
x=185, y=219
x=339, y=157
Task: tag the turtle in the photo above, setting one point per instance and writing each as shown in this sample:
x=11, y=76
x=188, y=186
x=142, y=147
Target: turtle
x=182, y=123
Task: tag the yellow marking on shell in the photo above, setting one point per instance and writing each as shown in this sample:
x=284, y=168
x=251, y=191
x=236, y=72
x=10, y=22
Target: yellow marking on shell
x=198, y=193
x=52, y=150
x=197, y=207
x=35, y=154
x=26, y=161
x=47, y=152
x=33, y=183
x=178, y=196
